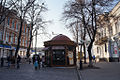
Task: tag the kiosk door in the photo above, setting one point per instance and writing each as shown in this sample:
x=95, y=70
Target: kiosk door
x=59, y=57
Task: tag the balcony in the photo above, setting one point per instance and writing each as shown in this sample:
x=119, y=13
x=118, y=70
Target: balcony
x=101, y=41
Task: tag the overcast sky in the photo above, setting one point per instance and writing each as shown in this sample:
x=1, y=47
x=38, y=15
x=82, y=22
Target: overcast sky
x=54, y=13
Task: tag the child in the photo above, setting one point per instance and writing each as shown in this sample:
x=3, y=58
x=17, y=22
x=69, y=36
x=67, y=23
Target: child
x=36, y=64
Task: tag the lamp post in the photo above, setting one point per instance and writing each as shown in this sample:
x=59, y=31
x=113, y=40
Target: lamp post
x=36, y=41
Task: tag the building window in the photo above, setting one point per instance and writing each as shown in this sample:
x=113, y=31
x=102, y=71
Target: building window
x=7, y=37
x=23, y=42
x=105, y=32
x=17, y=26
x=26, y=43
x=24, y=28
x=27, y=30
x=12, y=36
x=111, y=31
x=13, y=24
x=98, y=50
x=0, y=35
x=101, y=34
x=117, y=26
x=28, y=33
x=105, y=48
x=8, y=21
x=16, y=39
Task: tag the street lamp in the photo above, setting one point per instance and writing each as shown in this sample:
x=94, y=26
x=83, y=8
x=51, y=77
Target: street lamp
x=35, y=40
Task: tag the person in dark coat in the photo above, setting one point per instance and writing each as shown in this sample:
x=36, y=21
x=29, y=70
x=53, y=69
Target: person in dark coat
x=18, y=61
x=8, y=60
x=2, y=61
x=36, y=61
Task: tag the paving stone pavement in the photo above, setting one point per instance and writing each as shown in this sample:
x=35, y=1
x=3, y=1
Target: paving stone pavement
x=27, y=72
x=103, y=71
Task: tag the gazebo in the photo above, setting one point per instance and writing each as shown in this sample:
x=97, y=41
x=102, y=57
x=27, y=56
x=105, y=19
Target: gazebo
x=60, y=51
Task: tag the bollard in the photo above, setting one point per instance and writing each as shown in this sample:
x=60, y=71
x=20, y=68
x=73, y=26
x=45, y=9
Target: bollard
x=81, y=67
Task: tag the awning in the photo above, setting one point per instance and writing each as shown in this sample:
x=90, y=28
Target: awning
x=58, y=47
x=5, y=46
x=32, y=50
x=1, y=45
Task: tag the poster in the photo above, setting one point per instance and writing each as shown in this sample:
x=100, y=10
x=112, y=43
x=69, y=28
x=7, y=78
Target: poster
x=70, y=55
x=115, y=53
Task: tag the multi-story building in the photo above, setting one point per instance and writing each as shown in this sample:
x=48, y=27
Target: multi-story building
x=107, y=42
x=9, y=32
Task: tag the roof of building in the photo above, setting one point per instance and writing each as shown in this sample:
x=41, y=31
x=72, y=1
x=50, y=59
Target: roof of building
x=60, y=37
x=59, y=40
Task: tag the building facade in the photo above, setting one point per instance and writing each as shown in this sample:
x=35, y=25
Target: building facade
x=9, y=32
x=107, y=42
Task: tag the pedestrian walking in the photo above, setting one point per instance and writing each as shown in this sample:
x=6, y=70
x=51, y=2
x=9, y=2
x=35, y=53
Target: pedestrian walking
x=29, y=60
x=94, y=60
x=18, y=61
x=43, y=61
x=2, y=61
x=8, y=60
x=36, y=61
x=36, y=64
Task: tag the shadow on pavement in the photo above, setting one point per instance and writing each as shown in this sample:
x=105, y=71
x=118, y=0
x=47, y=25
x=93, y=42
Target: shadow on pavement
x=86, y=66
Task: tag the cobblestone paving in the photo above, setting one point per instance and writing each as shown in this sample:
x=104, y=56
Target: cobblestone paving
x=104, y=71
x=27, y=72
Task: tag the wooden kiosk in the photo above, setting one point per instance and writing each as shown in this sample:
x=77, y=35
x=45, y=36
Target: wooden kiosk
x=60, y=51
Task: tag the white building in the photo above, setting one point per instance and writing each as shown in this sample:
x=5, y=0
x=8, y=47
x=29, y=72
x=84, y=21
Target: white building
x=107, y=42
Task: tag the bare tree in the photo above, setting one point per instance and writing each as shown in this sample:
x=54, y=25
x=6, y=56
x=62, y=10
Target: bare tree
x=35, y=18
x=5, y=8
x=87, y=12
x=21, y=6
x=73, y=11
x=96, y=7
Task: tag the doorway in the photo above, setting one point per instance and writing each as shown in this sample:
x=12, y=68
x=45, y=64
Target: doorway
x=58, y=57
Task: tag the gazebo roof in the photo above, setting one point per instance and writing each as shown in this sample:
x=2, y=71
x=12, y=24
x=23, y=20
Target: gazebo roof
x=60, y=37
x=59, y=40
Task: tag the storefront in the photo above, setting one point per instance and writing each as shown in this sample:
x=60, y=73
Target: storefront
x=60, y=51
x=7, y=50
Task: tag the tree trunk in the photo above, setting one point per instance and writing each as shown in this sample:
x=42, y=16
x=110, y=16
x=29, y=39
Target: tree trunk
x=31, y=36
x=19, y=39
x=84, y=53
x=81, y=52
x=28, y=49
x=90, y=54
